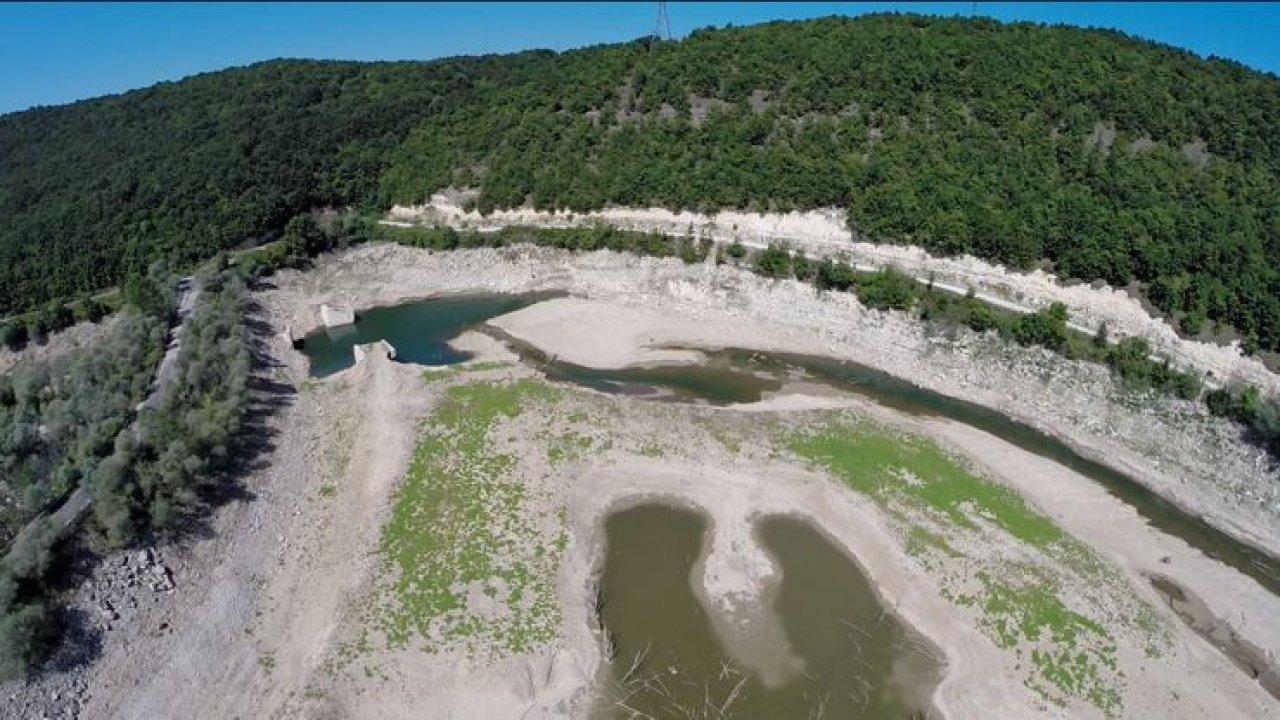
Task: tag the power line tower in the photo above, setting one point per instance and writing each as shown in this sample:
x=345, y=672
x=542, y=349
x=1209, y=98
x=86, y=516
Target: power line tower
x=662, y=28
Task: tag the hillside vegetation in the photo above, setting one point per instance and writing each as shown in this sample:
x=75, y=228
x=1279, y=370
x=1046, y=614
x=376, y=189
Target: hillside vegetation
x=1097, y=155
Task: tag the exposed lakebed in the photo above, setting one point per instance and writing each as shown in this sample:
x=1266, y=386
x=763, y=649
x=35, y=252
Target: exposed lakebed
x=739, y=376
x=420, y=332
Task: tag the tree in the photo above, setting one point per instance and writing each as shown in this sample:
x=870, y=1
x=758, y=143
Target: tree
x=13, y=335
x=24, y=634
x=1047, y=327
x=774, y=262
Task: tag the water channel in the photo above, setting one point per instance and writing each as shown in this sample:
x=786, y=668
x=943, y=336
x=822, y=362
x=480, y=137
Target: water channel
x=735, y=375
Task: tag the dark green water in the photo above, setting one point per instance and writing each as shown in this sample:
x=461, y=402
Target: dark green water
x=419, y=331
x=669, y=662
x=724, y=379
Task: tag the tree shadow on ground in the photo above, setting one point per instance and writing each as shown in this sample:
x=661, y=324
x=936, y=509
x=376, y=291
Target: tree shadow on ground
x=81, y=642
x=250, y=452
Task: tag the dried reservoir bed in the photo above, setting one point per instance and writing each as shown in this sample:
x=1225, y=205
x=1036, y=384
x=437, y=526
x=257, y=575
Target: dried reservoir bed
x=432, y=540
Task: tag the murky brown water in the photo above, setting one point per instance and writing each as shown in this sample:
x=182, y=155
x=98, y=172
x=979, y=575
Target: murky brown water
x=856, y=660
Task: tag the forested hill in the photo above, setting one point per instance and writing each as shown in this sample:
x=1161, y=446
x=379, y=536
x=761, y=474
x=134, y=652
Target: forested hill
x=1103, y=156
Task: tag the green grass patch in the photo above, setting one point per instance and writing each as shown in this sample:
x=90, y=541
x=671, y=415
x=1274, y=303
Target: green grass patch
x=915, y=470
x=445, y=373
x=1072, y=655
x=465, y=560
x=921, y=541
x=569, y=447
x=483, y=366
x=652, y=451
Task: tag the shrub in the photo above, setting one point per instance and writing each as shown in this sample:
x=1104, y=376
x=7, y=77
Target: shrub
x=803, y=267
x=32, y=551
x=1129, y=359
x=13, y=334
x=834, y=275
x=774, y=262
x=1046, y=327
x=25, y=631
x=887, y=290
x=1246, y=405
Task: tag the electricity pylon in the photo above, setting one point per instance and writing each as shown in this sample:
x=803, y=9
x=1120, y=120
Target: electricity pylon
x=662, y=29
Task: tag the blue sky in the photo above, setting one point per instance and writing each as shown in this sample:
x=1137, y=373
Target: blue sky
x=57, y=53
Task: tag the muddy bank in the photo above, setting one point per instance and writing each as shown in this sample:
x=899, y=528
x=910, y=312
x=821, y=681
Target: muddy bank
x=1257, y=663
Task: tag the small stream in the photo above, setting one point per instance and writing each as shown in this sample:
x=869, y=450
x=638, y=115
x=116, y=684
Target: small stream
x=855, y=659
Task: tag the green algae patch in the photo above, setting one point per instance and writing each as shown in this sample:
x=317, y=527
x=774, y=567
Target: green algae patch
x=466, y=558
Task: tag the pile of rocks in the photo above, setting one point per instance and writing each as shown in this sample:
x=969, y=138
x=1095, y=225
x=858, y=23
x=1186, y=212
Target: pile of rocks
x=56, y=704
x=120, y=594
x=123, y=581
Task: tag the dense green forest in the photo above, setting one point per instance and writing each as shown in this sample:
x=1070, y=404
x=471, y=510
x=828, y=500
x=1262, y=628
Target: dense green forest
x=1095, y=154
